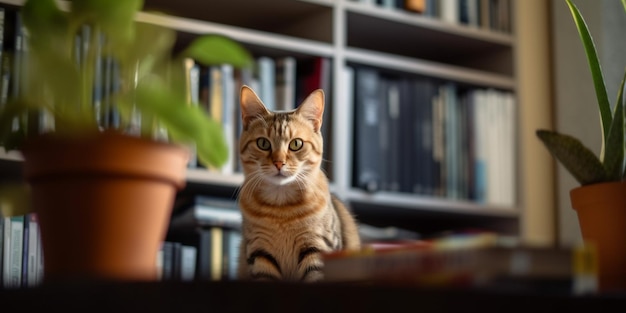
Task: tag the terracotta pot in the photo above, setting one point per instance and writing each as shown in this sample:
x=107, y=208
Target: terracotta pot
x=103, y=203
x=601, y=210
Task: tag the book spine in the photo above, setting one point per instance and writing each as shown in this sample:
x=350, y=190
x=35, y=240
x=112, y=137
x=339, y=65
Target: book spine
x=286, y=83
x=168, y=261
x=229, y=116
x=231, y=252
x=26, y=233
x=267, y=82
x=396, y=148
x=188, y=263
x=367, y=154
x=13, y=268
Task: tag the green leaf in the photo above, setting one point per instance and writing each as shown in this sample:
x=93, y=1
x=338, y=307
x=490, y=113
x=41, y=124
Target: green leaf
x=620, y=102
x=215, y=49
x=186, y=123
x=15, y=200
x=153, y=43
x=46, y=23
x=43, y=75
x=581, y=162
x=115, y=17
x=596, y=70
x=614, y=151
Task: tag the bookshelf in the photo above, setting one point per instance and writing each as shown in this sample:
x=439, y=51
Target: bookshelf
x=347, y=33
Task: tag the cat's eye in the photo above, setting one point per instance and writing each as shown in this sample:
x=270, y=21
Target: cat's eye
x=263, y=143
x=295, y=144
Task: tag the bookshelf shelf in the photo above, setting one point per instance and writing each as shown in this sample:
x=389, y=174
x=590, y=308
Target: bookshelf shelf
x=304, y=19
x=349, y=32
x=246, y=36
x=13, y=156
x=428, y=203
x=369, y=27
x=429, y=28
x=425, y=67
x=202, y=176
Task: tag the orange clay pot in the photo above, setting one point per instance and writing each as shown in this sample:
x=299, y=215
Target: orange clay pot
x=103, y=203
x=601, y=210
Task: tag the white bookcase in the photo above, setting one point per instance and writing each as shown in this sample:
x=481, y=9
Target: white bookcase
x=353, y=32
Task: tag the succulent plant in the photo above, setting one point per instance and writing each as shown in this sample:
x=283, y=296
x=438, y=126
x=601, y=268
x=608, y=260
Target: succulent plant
x=579, y=160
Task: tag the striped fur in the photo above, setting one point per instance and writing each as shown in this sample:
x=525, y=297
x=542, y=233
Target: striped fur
x=289, y=214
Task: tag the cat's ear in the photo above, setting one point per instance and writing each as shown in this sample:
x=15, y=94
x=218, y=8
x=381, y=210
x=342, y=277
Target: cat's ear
x=251, y=106
x=312, y=108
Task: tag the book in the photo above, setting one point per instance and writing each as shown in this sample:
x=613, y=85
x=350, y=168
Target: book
x=266, y=68
x=187, y=264
x=25, y=251
x=167, y=263
x=396, y=149
x=474, y=261
x=449, y=11
x=203, y=211
x=367, y=159
x=427, y=168
x=311, y=74
x=13, y=247
x=229, y=116
x=286, y=83
x=383, y=168
x=210, y=254
x=232, y=240
x=212, y=225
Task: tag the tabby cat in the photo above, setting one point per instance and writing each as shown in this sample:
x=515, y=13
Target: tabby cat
x=289, y=214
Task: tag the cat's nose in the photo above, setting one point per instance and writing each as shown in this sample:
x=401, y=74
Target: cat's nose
x=279, y=164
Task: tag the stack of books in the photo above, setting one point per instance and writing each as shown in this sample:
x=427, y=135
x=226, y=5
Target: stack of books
x=476, y=260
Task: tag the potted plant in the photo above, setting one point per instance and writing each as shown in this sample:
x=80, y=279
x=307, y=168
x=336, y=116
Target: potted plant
x=103, y=195
x=600, y=201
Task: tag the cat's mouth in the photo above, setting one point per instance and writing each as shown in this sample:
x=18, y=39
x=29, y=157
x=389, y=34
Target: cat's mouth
x=282, y=179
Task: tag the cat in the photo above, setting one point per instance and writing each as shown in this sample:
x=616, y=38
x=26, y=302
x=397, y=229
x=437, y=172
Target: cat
x=289, y=214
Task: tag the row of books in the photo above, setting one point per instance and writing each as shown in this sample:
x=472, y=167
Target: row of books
x=21, y=255
x=213, y=226
x=423, y=136
x=14, y=55
x=468, y=260
x=176, y=262
x=281, y=83
x=12, y=50
x=22, y=264
x=493, y=15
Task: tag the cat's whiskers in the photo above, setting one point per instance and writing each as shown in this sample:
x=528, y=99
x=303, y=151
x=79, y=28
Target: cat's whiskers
x=253, y=181
x=302, y=182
